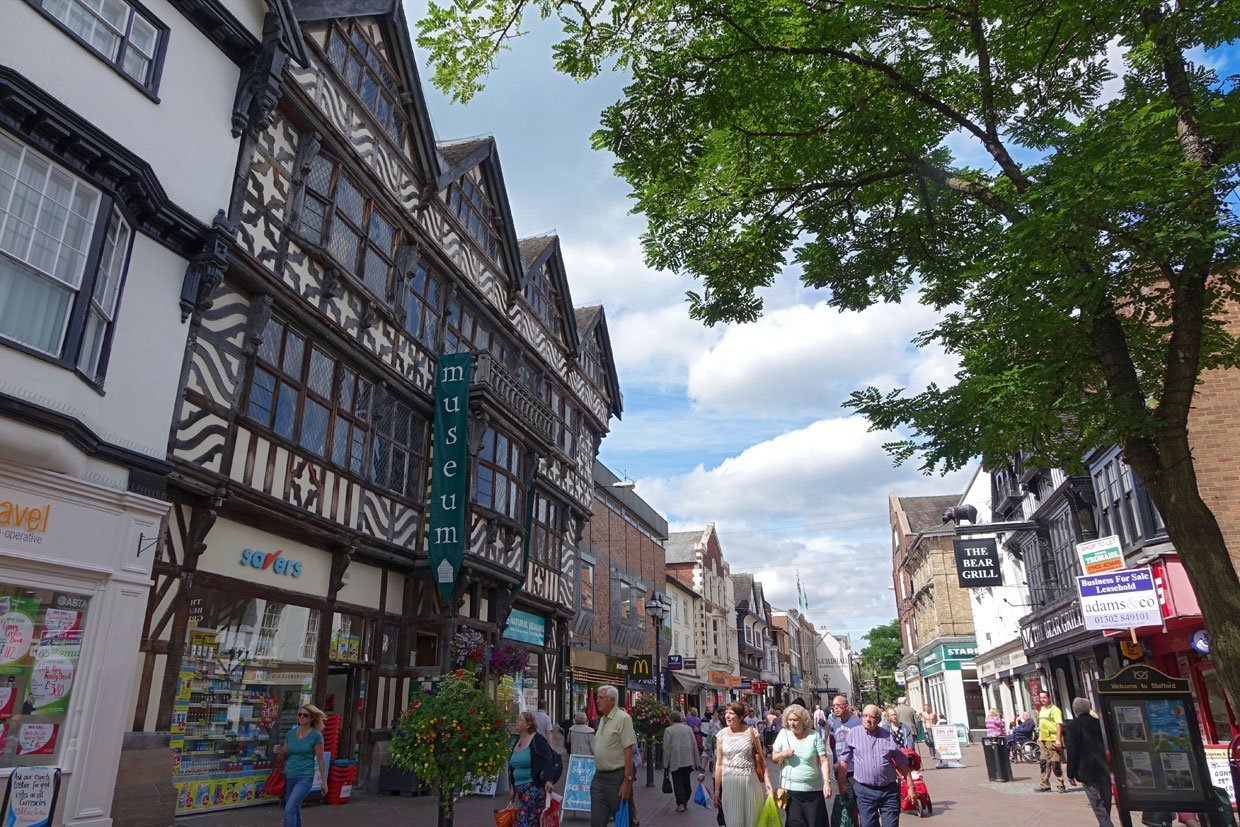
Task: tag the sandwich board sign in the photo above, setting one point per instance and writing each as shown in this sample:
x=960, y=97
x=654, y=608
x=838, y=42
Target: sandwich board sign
x=30, y=799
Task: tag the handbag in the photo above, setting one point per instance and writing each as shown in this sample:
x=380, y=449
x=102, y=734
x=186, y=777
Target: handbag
x=506, y=817
x=759, y=763
x=667, y=781
x=275, y=783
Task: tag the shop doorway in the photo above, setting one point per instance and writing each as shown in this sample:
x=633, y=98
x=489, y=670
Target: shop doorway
x=346, y=696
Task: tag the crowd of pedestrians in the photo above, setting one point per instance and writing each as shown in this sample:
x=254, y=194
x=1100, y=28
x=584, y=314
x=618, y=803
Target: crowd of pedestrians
x=843, y=768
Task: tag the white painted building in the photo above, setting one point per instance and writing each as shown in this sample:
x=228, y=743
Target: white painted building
x=120, y=132
x=834, y=661
x=686, y=682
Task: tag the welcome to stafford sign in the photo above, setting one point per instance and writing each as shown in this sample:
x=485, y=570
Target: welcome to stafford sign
x=446, y=535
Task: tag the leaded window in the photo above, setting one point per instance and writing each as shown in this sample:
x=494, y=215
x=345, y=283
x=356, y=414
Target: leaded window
x=60, y=271
x=540, y=294
x=548, y=531
x=398, y=449
x=565, y=417
x=473, y=209
x=123, y=36
x=309, y=397
x=363, y=67
x=423, y=304
x=592, y=360
x=497, y=481
x=337, y=215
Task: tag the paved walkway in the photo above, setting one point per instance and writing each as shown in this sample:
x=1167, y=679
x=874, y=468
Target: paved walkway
x=962, y=798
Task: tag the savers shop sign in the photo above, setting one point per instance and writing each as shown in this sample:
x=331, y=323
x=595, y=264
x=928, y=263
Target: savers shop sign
x=272, y=561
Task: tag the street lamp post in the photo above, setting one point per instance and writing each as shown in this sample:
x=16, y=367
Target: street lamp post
x=657, y=610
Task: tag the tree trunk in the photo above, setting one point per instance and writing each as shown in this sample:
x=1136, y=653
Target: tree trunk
x=1191, y=526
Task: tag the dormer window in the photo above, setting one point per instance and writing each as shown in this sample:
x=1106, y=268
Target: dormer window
x=540, y=294
x=592, y=361
x=362, y=66
x=473, y=209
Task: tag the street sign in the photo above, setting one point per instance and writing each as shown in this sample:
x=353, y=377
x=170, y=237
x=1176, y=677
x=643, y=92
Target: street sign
x=675, y=663
x=1101, y=556
x=1119, y=599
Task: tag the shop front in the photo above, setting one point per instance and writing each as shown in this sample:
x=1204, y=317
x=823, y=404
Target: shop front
x=1069, y=658
x=588, y=671
x=263, y=638
x=1000, y=673
x=521, y=690
x=950, y=684
x=75, y=566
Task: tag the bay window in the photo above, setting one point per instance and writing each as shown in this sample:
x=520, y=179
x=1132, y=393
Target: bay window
x=497, y=482
x=338, y=216
x=64, y=249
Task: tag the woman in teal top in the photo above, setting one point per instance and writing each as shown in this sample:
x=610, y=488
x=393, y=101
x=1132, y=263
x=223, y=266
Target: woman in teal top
x=531, y=772
x=303, y=748
x=805, y=768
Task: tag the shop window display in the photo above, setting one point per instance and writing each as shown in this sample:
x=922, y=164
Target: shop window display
x=40, y=647
x=244, y=673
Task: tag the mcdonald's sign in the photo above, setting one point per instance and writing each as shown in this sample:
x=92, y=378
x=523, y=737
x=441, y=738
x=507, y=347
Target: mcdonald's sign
x=641, y=667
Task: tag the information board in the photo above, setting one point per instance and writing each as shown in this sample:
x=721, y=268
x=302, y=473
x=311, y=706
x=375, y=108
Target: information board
x=30, y=798
x=577, y=780
x=946, y=741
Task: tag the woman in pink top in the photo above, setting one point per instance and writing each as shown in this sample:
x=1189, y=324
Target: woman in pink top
x=994, y=723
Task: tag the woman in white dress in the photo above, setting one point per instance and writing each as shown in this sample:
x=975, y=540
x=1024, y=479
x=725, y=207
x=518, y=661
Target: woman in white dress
x=738, y=754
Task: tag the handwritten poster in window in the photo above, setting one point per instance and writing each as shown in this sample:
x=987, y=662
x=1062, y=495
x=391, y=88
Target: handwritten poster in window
x=17, y=622
x=51, y=678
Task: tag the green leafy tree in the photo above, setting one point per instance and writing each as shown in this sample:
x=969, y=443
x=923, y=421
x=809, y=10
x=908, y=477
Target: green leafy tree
x=1075, y=229
x=449, y=735
x=879, y=658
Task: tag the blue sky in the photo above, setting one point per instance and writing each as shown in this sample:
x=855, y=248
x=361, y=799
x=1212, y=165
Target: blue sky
x=739, y=425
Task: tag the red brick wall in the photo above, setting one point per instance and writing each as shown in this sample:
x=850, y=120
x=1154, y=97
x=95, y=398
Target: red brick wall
x=1214, y=430
x=615, y=542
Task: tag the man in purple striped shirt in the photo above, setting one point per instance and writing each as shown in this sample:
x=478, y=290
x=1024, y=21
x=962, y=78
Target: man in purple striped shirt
x=877, y=763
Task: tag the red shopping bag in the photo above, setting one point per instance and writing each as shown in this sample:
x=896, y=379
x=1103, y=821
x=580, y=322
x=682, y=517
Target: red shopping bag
x=551, y=813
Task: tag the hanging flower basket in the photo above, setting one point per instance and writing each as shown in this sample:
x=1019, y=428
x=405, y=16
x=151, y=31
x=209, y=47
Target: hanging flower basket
x=507, y=658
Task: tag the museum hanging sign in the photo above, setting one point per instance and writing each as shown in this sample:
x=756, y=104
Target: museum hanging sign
x=977, y=563
x=446, y=534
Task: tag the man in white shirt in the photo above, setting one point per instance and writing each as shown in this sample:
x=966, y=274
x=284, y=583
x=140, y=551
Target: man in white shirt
x=543, y=721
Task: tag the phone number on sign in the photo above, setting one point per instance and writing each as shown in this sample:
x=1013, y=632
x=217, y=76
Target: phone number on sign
x=1118, y=619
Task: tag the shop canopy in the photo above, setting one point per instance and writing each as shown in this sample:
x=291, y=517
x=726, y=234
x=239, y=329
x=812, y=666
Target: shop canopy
x=688, y=682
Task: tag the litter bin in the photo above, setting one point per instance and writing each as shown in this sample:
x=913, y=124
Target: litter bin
x=998, y=763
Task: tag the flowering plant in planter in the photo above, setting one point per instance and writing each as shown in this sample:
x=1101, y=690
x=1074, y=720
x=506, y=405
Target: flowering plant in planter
x=449, y=733
x=469, y=648
x=650, y=716
x=507, y=659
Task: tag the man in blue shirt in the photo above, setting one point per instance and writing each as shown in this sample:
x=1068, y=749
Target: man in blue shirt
x=874, y=763
x=842, y=720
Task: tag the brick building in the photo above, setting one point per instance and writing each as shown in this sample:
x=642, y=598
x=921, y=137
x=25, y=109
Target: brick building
x=936, y=622
x=695, y=558
x=622, y=565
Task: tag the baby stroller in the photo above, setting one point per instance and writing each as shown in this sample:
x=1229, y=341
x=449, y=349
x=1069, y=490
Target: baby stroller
x=923, y=806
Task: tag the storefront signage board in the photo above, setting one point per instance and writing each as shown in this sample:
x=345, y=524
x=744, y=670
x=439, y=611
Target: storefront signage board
x=1119, y=599
x=1200, y=641
x=1156, y=752
x=577, y=778
x=525, y=627
x=977, y=563
x=1220, y=770
x=1101, y=556
x=30, y=798
x=722, y=680
x=446, y=531
x=675, y=663
x=641, y=667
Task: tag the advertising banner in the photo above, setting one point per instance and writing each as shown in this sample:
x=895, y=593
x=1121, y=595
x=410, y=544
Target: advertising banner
x=449, y=477
x=977, y=563
x=525, y=627
x=577, y=780
x=946, y=741
x=1101, y=556
x=1119, y=599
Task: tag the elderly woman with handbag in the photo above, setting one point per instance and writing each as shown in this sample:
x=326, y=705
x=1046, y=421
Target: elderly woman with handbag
x=805, y=768
x=680, y=756
x=740, y=770
x=531, y=770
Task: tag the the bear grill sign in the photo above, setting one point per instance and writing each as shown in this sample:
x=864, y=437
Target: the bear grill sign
x=977, y=563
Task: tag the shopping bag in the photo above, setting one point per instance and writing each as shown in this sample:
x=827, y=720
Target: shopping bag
x=769, y=817
x=842, y=811
x=274, y=785
x=622, y=815
x=506, y=817
x=667, y=781
x=700, y=796
x=551, y=812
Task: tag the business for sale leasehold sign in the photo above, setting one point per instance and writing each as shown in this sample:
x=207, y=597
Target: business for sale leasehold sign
x=1119, y=599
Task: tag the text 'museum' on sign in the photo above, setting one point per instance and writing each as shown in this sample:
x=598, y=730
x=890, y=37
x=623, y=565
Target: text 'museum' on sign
x=446, y=532
x=1100, y=556
x=977, y=563
x=1119, y=599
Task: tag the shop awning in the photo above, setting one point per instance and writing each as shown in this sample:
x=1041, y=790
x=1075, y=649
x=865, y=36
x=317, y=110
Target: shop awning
x=688, y=682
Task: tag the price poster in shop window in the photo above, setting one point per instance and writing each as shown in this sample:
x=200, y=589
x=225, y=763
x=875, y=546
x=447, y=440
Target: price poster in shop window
x=17, y=621
x=8, y=695
x=36, y=739
x=51, y=677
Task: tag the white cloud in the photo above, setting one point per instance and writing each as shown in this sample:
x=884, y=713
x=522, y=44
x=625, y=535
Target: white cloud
x=805, y=359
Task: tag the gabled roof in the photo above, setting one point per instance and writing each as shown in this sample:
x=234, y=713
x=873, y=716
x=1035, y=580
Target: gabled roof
x=681, y=546
x=459, y=157
x=395, y=30
x=590, y=319
x=925, y=513
x=545, y=250
x=742, y=588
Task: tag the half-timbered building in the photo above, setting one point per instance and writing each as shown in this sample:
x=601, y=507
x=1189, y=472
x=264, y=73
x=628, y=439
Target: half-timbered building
x=360, y=250
x=120, y=128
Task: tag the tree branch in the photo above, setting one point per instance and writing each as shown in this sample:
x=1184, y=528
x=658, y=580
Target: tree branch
x=973, y=189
